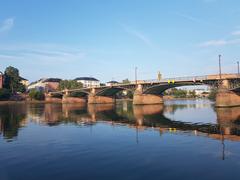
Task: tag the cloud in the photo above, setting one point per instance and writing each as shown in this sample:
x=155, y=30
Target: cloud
x=219, y=42
x=42, y=54
x=138, y=35
x=224, y=41
x=188, y=17
x=236, y=33
x=6, y=25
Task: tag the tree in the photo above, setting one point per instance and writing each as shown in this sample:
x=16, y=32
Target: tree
x=12, y=80
x=4, y=94
x=69, y=84
x=37, y=95
x=212, y=94
x=125, y=81
x=192, y=94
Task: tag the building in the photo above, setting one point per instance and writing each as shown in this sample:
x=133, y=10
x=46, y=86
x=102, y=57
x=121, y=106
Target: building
x=202, y=92
x=111, y=83
x=1, y=80
x=46, y=84
x=88, y=82
x=24, y=81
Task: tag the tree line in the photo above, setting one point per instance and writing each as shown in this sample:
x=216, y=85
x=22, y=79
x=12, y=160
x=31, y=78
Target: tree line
x=11, y=83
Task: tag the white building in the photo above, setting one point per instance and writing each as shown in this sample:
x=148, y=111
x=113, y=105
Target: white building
x=88, y=81
x=111, y=83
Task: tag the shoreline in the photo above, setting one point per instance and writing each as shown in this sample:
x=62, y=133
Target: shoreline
x=117, y=100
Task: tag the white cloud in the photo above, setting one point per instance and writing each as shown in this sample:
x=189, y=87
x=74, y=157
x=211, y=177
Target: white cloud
x=236, y=33
x=138, y=35
x=6, y=25
x=188, y=17
x=219, y=42
x=43, y=54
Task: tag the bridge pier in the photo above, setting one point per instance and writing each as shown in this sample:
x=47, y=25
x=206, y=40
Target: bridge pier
x=92, y=99
x=143, y=99
x=227, y=98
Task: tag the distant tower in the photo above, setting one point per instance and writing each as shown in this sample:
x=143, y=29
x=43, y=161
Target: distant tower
x=159, y=76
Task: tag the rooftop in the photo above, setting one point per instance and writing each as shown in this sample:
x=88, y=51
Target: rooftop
x=113, y=82
x=87, y=78
x=52, y=80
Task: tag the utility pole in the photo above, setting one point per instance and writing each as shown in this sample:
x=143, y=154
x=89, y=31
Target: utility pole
x=238, y=67
x=220, y=68
x=136, y=75
x=220, y=71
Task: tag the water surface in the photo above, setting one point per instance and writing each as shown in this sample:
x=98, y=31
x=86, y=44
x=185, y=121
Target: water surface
x=186, y=139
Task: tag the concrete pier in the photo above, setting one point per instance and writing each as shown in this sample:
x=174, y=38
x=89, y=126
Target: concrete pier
x=144, y=99
x=226, y=98
x=100, y=100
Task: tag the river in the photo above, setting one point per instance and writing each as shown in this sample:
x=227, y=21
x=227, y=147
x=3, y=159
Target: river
x=184, y=139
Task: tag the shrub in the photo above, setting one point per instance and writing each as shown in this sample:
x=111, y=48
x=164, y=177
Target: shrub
x=4, y=94
x=37, y=95
x=212, y=95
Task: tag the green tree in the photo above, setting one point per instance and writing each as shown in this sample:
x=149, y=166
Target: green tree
x=12, y=80
x=192, y=94
x=212, y=94
x=37, y=95
x=4, y=94
x=69, y=84
x=125, y=81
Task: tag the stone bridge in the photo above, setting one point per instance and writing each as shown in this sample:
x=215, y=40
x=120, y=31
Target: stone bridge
x=151, y=91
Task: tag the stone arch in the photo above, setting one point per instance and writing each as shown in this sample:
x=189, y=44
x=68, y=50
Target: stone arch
x=159, y=89
x=112, y=91
x=81, y=93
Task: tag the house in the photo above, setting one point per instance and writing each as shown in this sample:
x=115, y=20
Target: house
x=1, y=80
x=24, y=81
x=111, y=83
x=45, y=84
x=88, y=82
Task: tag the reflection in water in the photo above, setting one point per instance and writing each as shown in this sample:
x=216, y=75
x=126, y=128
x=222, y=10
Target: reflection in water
x=12, y=117
x=71, y=141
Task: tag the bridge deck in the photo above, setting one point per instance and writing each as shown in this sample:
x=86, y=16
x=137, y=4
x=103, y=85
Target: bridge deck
x=186, y=79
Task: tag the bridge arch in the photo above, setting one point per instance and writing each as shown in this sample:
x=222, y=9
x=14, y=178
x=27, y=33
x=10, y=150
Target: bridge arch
x=160, y=88
x=78, y=93
x=112, y=91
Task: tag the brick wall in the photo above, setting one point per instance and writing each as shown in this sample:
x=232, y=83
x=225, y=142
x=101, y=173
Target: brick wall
x=1, y=81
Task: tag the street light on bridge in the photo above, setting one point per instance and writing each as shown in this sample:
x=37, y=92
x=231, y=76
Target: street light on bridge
x=238, y=67
x=136, y=75
x=220, y=68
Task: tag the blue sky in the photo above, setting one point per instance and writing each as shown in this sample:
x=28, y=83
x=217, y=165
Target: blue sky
x=108, y=38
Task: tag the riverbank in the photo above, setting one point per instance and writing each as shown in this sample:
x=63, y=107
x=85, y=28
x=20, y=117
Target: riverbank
x=73, y=102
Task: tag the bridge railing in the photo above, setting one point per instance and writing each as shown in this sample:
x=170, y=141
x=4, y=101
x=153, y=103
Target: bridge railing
x=188, y=78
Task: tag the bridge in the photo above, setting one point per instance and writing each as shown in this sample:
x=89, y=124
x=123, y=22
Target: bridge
x=151, y=91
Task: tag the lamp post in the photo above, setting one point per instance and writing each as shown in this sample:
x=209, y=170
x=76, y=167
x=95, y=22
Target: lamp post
x=136, y=75
x=238, y=67
x=220, y=68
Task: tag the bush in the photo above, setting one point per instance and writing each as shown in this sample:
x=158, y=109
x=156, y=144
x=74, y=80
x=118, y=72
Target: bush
x=4, y=94
x=37, y=95
x=212, y=95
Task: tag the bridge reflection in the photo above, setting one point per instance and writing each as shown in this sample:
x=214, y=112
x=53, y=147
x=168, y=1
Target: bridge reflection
x=15, y=117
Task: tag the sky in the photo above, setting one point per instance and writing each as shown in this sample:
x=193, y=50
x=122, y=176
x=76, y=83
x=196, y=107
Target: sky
x=107, y=39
